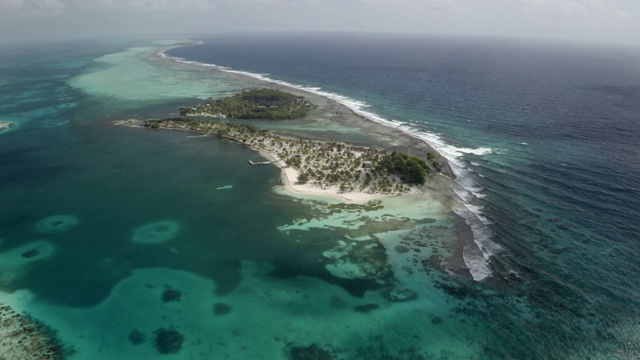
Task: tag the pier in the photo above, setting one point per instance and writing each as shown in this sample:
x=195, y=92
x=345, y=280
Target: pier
x=260, y=163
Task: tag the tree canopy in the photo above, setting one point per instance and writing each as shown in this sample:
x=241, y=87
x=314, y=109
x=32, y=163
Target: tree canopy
x=257, y=104
x=410, y=169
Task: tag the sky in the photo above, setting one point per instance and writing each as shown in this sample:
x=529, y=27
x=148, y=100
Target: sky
x=601, y=21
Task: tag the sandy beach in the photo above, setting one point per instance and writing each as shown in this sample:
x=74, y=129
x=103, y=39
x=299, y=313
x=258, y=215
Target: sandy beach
x=291, y=186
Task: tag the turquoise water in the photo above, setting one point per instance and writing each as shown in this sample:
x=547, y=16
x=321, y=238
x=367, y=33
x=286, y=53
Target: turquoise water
x=160, y=230
x=112, y=235
x=544, y=140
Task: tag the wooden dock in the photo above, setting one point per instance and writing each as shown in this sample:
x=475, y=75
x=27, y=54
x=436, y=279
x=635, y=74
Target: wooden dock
x=260, y=163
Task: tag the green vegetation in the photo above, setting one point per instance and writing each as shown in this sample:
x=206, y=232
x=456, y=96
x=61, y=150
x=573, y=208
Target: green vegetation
x=410, y=169
x=256, y=104
x=346, y=167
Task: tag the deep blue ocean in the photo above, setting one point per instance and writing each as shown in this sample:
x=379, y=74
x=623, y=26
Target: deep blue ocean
x=544, y=138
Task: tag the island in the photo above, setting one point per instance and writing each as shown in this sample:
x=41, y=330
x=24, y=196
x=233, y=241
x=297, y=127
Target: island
x=311, y=166
x=350, y=172
x=261, y=103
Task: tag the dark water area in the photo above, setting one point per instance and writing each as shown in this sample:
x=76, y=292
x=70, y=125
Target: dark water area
x=125, y=177
x=559, y=187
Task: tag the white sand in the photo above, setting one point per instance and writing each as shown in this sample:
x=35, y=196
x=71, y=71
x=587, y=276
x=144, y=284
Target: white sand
x=290, y=181
x=292, y=187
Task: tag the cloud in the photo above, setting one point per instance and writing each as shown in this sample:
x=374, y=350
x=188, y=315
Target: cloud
x=156, y=5
x=564, y=7
x=417, y=4
x=592, y=8
x=31, y=8
x=43, y=8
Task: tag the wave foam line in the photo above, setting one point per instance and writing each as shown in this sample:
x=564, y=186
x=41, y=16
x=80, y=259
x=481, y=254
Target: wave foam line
x=477, y=263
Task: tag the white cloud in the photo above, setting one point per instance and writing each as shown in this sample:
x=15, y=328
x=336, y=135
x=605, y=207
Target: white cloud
x=31, y=8
x=10, y=4
x=597, y=8
x=564, y=7
x=417, y=4
x=589, y=20
x=41, y=8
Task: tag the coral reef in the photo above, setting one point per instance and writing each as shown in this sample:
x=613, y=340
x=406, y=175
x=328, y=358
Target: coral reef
x=137, y=337
x=385, y=350
x=22, y=337
x=310, y=352
x=399, y=295
x=221, y=309
x=16, y=262
x=155, y=233
x=57, y=224
x=30, y=253
x=366, y=308
x=171, y=295
x=168, y=341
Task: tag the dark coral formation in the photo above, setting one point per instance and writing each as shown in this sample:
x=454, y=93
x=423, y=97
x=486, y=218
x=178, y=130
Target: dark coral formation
x=168, y=341
x=221, y=309
x=310, y=352
x=31, y=253
x=171, y=295
x=366, y=308
x=382, y=349
x=458, y=290
x=136, y=337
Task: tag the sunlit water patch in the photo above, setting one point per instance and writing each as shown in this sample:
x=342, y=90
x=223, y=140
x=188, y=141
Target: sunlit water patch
x=136, y=75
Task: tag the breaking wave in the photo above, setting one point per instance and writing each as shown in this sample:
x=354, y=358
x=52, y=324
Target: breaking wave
x=476, y=258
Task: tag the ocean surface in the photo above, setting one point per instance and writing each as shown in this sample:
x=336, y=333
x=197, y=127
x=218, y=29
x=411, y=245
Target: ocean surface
x=543, y=138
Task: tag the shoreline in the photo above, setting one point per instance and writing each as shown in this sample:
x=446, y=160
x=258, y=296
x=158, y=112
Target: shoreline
x=293, y=188
x=289, y=175
x=475, y=248
x=390, y=136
